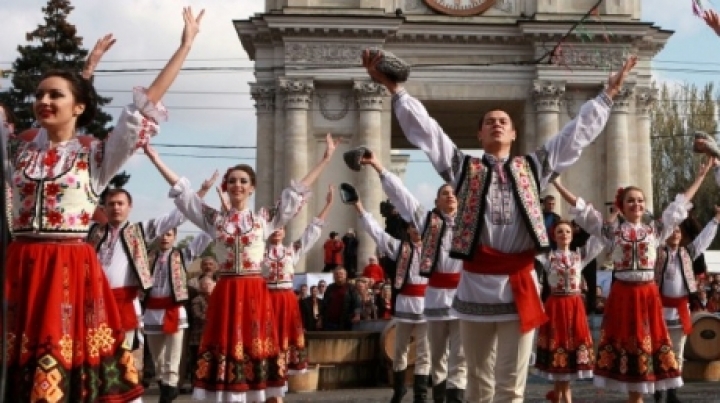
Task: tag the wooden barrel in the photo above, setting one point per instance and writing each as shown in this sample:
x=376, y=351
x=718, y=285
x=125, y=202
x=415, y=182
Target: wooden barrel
x=305, y=382
x=701, y=371
x=347, y=359
x=703, y=344
x=387, y=341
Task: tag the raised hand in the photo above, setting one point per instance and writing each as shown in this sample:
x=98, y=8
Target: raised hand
x=150, y=152
x=705, y=166
x=224, y=203
x=192, y=25
x=370, y=65
x=330, y=195
x=616, y=80
x=712, y=20
x=330, y=146
x=96, y=54
x=208, y=183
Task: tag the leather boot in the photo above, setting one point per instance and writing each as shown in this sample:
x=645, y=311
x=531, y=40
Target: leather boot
x=672, y=396
x=399, y=389
x=438, y=392
x=420, y=388
x=658, y=395
x=163, y=393
x=455, y=396
x=172, y=393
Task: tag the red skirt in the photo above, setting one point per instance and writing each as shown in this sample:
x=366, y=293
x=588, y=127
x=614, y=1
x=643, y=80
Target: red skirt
x=564, y=344
x=239, y=350
x=65, y=337
x=635, y=346
x=289, y=327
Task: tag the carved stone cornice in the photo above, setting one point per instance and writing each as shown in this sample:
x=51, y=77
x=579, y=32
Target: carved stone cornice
x=548, y=95
x=336, y=54
x=621, y=101
x=298, y=93
x=645, y=100
x=369, y=95
x=264, y=96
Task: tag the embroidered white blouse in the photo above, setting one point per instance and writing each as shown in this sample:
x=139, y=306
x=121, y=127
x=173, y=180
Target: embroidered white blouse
x=280, y=260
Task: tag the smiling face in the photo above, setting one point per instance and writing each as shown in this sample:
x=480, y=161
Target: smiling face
x=633, y=206
x=277, y=236
x=446, y=200
x=497, y=133
x=239, y=183
x=55, y=104
x=563, y=234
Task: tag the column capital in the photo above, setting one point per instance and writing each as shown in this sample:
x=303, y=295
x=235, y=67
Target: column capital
x=548, y=95
x=264, y=96
x=621, y=101
x=298, y=93
x=369, y=95
x=645, y=100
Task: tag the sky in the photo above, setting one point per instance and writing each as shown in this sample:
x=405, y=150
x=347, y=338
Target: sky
x=215, y=108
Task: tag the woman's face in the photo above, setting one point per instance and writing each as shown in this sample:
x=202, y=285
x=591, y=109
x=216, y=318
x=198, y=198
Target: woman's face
x=633, y=205
x=563, y=234
x=55, y=104
x=239, y=186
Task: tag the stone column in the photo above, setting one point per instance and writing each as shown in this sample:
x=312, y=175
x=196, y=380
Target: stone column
x=279, y=180
x=264, y=96
x=643, y=166
x=618, y=157
x=298, y=98
x=370, y=98
x=548, y=97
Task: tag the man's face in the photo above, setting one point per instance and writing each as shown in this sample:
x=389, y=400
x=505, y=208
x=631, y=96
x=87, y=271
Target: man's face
x=549, y=205
x=117, y=208
x=303, y=289
x=322, y=286
x=339, y=275
x=208, y=266
x=497, y=131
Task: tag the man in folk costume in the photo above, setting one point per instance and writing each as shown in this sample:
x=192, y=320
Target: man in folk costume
x=499, y=227
x=449, y=368
x=676, y=280
x=409, y=305
x=165, y=316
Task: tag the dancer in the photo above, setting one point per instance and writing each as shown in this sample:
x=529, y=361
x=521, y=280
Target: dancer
x=63, y=325
x=239, y=352
x=635, y=354
x=499, y=228
x=165, y=317
x=449, y=369
x=409, y=306
x=279, y=269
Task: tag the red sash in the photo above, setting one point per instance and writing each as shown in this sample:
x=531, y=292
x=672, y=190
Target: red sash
x=171, y=320
x=124, y=299
x=681, y=304
x=413, y=290
x=519, y=267
x=444, y=280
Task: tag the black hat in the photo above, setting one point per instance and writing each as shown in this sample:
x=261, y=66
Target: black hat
x=352, y=158
x=711, y=146
x=393, y=67
x=348, y=194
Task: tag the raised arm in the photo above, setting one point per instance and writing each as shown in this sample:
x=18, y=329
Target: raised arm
x=405, y=202
x=330, y=145
x=196, y=247
x=677, y=211
x=565, y=193
x=386, y=244
x=701, y=242
x=703, y=170
x=96, y=54
x=313, y=231
x=712, y=20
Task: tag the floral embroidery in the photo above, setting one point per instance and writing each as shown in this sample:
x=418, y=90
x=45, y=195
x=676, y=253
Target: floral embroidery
x=240, y=246
x=634, y=247
x=687, y=267
x=403, y=264
x=435, y=228
x=564, y=272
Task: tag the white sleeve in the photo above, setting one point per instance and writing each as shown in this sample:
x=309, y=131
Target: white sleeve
x=674, y=214
x=292, y=199
x=387, y=244
x=700, y=244
x=425, y=133
x=592, y=249
x=406, y=204
x=193, y=207
x=308, y=238
x=564, y=149
x=160, y=225
x=587, y=217
x=196, y=247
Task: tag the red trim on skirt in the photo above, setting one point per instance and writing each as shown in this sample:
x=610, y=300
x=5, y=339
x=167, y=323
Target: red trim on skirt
x=564, y=343
x=239, y=348
x=64, y=328
x=635, y=346
x=125, y=300
x=289, y=327
x=444, y=280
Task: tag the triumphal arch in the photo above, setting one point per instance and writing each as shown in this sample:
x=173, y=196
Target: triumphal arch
x=468, y=56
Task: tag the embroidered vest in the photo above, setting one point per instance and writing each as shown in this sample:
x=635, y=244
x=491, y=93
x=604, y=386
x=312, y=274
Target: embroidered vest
x=402, y=265
x=63, y=203
x=435, y=227
x=686, y=264
x=633, y=248
x=239, y=254
x=471, y=191
x=278, y=267
x=564, y=277
x=133, y=241
x=177, y=273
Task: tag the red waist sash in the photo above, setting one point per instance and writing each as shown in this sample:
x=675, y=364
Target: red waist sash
x=124, y=299
x=444, y=280
x=171, y=320
x=681, y=304
x=518, y=267
x=413, y=290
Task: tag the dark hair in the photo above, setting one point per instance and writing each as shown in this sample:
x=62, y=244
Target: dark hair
x=240, y=167
x=548, y=197
x=83, y=91
x=333, y=234
x=9, y=115
x=443, y=186
x=114, y=192
x=482, y=120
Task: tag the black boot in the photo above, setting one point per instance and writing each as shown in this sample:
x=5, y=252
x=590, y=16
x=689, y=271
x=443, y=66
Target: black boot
x=399, y=389
x=672, y=396
x=163, y=393
x=439, y=391
x=658, y=396
x=455, y=395
x=172, y=393
x=420, y=388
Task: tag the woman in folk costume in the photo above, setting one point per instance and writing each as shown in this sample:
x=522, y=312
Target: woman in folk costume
x=279, y=271
x=239, y=353
x=65, y=342
x=635, y=353
x=675, y=278
x=564, y=343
